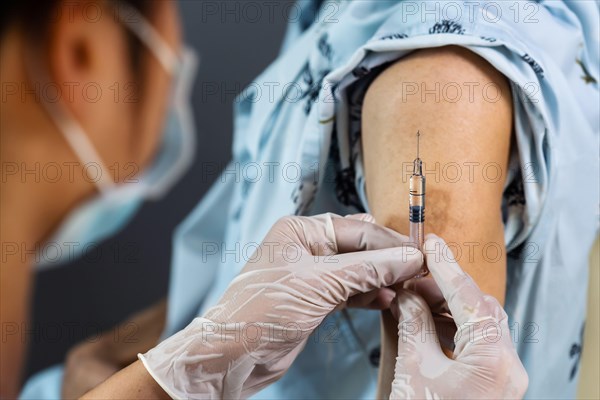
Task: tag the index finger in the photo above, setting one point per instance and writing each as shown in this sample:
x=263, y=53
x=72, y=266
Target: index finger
x=328, y=234
x=359, y=232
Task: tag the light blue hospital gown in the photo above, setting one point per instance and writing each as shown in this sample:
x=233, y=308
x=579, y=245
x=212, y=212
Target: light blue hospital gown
x=297, y=151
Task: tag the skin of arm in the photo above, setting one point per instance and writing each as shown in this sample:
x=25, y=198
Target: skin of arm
x=15, y=286
x=463, y=109
x=91, y=362
x=133, y=382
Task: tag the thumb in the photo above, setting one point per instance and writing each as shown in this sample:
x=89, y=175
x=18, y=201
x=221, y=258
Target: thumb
x=419, y=353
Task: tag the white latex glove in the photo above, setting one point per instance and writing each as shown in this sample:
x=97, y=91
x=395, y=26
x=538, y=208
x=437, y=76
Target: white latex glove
x=485, y=364
x=304, y=269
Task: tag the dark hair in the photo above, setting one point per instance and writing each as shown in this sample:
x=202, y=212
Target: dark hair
x=35, y=17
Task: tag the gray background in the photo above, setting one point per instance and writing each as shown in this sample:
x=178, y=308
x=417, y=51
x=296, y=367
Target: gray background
x=81, y=299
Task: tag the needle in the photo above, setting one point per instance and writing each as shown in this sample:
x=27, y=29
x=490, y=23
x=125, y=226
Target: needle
x=418, y=140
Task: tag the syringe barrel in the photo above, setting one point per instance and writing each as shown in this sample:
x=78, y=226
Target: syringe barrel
x=416, y=200
x=416, y=211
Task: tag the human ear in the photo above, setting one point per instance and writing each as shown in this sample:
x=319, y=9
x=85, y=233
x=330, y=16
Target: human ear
x=88, y=61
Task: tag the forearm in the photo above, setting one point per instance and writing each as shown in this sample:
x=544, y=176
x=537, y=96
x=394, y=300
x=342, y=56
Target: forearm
x=133, y=382
x=136, y=334
x=92, y=362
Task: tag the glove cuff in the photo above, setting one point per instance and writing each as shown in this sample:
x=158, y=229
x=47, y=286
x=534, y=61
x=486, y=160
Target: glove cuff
x=204, y=360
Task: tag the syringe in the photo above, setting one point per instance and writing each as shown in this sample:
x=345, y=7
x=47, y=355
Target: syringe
x=416, y=203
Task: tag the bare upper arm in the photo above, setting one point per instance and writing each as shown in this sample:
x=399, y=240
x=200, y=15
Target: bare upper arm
x=463, y=109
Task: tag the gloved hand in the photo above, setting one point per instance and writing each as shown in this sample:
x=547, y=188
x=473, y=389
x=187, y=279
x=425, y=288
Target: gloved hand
x=485, y=363
x=304, y=269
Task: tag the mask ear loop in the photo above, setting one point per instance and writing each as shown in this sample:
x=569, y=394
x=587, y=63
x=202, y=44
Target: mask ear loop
x=68, y=126
x=145, y=32
x=182, y=69
x=183, y=85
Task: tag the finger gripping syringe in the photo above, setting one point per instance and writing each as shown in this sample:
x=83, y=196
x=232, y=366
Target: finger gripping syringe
x=416, y=204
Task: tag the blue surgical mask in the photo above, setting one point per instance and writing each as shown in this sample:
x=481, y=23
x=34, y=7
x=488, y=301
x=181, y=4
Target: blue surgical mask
x=115, y=205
